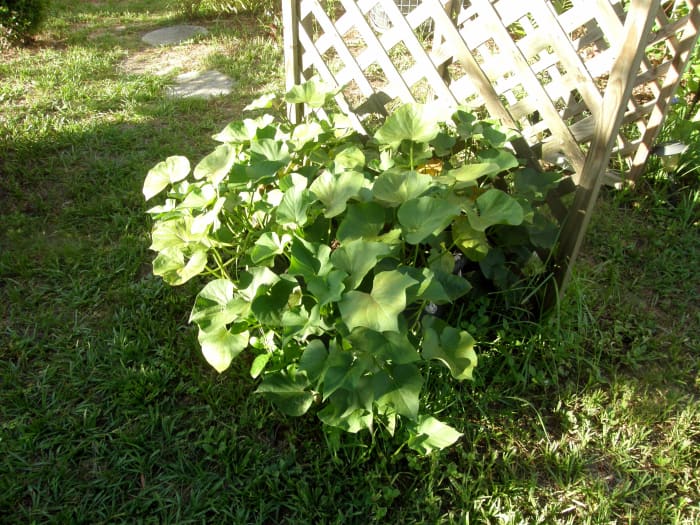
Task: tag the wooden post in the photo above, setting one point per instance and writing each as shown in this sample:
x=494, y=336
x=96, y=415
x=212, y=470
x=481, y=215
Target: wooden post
x=638, y=24
x=292, y=54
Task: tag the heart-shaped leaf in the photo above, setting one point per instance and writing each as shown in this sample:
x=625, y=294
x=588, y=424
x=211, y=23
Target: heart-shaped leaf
x=357, y=257
x=415, y=122
x=363, y=219
x=334, y=191
x=452, y=347
x=314, y=93
x=395, y=187
x=380, y=309
x=495, y=207
x=473, y=243
x=429, y=434
x=218, y=305
x=170, y=264
x=169, y=171
x=399, y=386
x=220, y=346
x=287, y=390
x=216, y=166
x=268, y=245
x=424, y=216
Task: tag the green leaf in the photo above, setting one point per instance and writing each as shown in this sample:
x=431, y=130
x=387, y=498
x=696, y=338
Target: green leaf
x=269, y=306
x=220, y=346
x=171, y=266
x=218, y=305
x=503, y=158
x=399, y=386
x=169, y=171
x=334, y=191
x=380, y=309
x=415, y=122
x=429, y=288
x=349, y=410
x=305, y=133
x=452, y=347
x=292, y=211
x=357, y=258
x=473, y=243
x=327, y=288
x=287, y=390
x=543, y=233
x=314, y=93
x=173, y=233
x=268, y=245
x=428, y=434
x=454, y=285
x=255, y=281
x=314, y=360
x=495, y=207
x=259, y=364
x=363, y=219
x=263, y=102
x=216, y=166
x=350, y=158
x=241, y=132
x=534, y=184
x=392, y=347
x=269, y=149
x=309, y=259
x=468, y=174
x=424, y=216
x=342, y=371
x=396, y=187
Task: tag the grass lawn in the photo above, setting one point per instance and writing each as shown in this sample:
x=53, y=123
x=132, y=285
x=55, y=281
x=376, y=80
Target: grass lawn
x=109, y=413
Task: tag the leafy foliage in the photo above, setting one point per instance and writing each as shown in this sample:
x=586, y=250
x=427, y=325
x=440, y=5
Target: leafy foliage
x=345, y=262
x=21, y=19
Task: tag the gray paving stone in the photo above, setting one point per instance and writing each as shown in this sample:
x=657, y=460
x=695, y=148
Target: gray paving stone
x=173, y=35
x=201, y=84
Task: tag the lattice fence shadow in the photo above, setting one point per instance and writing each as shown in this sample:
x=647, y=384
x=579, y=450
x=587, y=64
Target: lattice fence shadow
x=584, y=81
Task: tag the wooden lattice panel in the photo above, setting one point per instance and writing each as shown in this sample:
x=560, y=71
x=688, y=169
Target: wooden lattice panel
x=540, y=70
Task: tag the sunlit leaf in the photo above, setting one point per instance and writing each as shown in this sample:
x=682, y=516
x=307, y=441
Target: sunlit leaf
x=495, y=207
x=220, y=346
x=217, y=304
x=268, y=245
x=262, y=102
x=314, y=93
x=216, y=166
x=452, y=347
x=428, y=434
x=175, y=268
x=169, y=171
x=395, y=187
x=334, y=191
x=380, y=309
x=357, y=257
x=472, y=242
x=415, y=122
x=424, y=216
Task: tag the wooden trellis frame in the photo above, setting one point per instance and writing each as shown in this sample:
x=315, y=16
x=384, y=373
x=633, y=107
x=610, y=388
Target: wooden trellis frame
x=583, y=83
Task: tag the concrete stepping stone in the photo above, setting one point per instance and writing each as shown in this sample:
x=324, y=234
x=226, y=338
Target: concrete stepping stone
x=201, y=84
x=173, y=35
